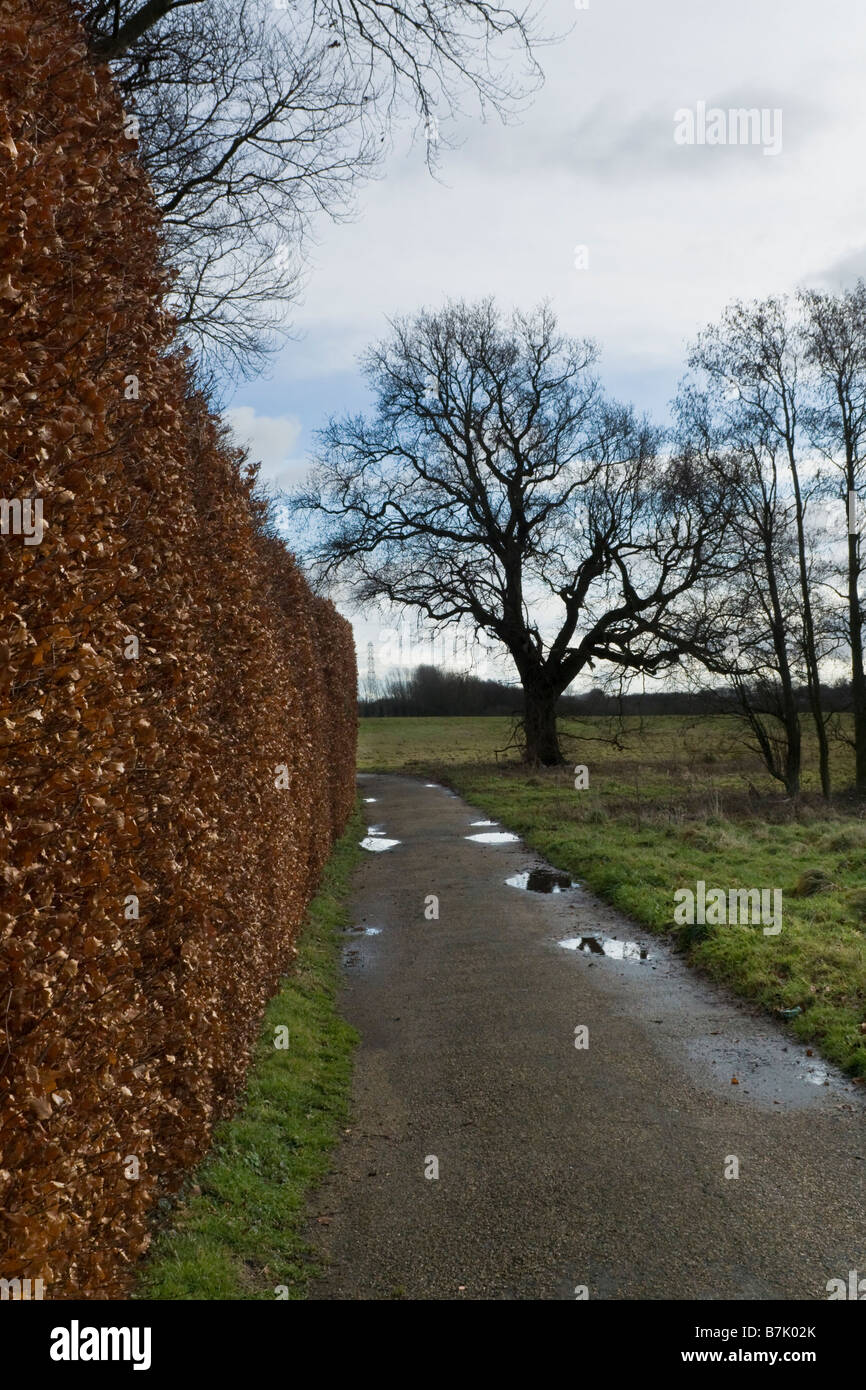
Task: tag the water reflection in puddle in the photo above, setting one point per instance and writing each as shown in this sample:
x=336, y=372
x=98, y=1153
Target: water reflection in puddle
x=378, y=842
x=364, y=931
x=542, y=881
x=493, y=837
x=484, y=822
x=369, y=799
x=817, y=1075
x=606, y=946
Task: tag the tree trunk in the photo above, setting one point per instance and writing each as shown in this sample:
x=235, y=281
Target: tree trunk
x=792, y=753
x=114, y=45
x=788, y=770
x=539, y=725
x=813, y=679
x=858, y=678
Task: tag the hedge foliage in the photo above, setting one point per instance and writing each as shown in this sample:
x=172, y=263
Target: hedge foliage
x=177, y=709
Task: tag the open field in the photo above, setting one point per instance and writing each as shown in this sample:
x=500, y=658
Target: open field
x=680, y=801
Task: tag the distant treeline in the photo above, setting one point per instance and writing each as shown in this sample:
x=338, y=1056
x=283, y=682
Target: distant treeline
x=429, y=691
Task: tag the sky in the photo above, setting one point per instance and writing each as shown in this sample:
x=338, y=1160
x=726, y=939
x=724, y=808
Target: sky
x=590, y=200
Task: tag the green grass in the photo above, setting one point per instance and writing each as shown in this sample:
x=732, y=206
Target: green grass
x=238, y=1231
x=681, y=800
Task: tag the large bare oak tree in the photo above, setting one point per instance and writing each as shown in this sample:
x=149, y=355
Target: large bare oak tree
x=497, y=487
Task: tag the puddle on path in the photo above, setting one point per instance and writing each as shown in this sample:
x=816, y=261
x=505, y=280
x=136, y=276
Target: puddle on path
x=542, y=881
x=363, y=931
x=606, y=946
x=816, y=1074
x=378, y=842
x=484, y=822
x=369, y=799
x=768, y=1068
x=493, y=837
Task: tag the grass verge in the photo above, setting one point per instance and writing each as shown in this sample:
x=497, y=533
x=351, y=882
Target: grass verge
x=237, y=1233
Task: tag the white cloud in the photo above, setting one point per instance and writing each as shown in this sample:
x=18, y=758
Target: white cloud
x=673, y=232
x=272, y=441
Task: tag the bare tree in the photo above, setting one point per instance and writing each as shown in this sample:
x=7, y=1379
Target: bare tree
x=752, y=636
x=836, y=348
x=256, y=116
x=756, y=359
x=496, y=486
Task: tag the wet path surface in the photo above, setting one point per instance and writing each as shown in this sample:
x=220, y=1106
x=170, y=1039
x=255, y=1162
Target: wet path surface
x=562, y=1166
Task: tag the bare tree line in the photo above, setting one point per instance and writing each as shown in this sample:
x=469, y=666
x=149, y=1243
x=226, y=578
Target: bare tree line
x=431, y=690
x=498, y=487
x=775, y=405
